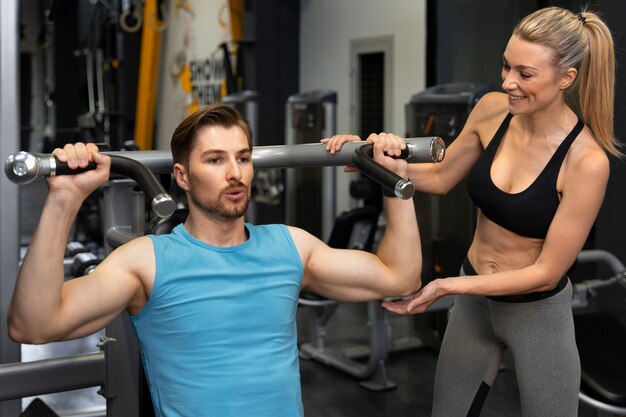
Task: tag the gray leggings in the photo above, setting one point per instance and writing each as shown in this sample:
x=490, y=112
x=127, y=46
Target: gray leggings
x=540, y=335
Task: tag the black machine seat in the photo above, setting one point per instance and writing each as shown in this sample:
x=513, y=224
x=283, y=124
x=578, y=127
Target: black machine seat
x=354, y=229
x=601, y=340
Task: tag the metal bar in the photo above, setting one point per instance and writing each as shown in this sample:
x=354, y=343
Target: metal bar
x=290, y=175
x=329, y=181
x=138, y=216
x=600, y=405
x=123, y=382
x=116, y=236
x=9, y=202
x=116, y=207
x=100, y=98
x=598, y=255
x=23, y=167
x=90, y=89
x=26, y=379
x=589, y=256
x=276, y=156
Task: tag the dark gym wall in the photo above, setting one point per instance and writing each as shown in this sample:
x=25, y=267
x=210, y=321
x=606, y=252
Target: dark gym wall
x=465, y=43
x=271, y=31
x=470, y=37
x=80, y=26
x=272, y=62
x=66, y=95
x=99, y=28
x=611, y=223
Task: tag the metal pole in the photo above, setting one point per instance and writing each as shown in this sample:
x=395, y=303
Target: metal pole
x=9, y=203
x=290, y=175
x=598, y=255
x=280, y=156
x=26, y=379
x=329, y=181
x=246, y=103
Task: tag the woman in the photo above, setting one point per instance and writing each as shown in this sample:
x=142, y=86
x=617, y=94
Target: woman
x=538, y=174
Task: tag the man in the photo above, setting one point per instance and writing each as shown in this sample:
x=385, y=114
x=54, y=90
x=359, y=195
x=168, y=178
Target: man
x=213, y=303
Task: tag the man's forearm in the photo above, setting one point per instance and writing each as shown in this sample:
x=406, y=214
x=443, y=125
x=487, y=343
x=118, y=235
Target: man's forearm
x=37, y=296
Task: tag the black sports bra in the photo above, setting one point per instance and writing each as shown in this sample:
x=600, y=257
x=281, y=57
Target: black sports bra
x=527, y=213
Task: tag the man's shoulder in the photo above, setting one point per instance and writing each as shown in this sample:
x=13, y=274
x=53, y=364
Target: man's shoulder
x=268, y=228
x=304, y=241
x=298, y=236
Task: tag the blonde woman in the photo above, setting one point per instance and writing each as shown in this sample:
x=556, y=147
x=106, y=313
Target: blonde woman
x=537, y=167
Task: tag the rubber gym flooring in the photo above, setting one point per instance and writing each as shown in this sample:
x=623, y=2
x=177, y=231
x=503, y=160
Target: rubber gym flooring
x=328, y=392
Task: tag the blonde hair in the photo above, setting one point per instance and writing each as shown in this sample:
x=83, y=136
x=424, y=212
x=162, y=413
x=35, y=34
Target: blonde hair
x=581, y=41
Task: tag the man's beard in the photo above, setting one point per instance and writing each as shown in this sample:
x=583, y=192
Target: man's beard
x=218, y=208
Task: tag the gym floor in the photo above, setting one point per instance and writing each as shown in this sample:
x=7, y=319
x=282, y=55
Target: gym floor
x=328, y=392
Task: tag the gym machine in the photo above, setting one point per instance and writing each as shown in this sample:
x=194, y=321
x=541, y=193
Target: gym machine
x=311, y=116
x=24, y=167
x=355, y=229
x=247, y=104
x=9, y=203
x=79, y=260
x=601, y=336
x=446, y=222
x=116, y=367
x=440, y=111
x=267, y=183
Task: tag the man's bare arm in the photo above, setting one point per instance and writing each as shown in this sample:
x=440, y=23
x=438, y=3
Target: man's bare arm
x=351, y=275
x=44, y=307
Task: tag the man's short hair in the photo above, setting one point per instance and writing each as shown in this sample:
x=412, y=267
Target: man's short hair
x=218, y=114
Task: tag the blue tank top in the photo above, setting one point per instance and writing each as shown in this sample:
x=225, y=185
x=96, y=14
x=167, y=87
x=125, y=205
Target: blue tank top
x=530, y=212
x=218, y=333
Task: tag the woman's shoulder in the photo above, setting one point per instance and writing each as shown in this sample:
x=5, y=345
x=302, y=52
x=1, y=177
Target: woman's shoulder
x=587, y=153
x=586, y=160
x=493, y=105
x=488, y=114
